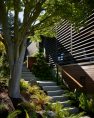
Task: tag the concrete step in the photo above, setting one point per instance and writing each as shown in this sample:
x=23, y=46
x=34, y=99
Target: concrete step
x=25, y=69
x=29, y=78
x=85, y=117
x=56, y=92
x=72, y=110
x=28, y=75
x=46, y=83
x=58, y=95
x=51, y=88
x=65, y=103
x=59, y=98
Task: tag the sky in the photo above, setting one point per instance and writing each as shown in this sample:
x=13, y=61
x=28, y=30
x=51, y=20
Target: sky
x=21, y=16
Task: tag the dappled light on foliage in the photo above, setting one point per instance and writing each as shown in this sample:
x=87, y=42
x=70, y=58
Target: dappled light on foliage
x=2, y=47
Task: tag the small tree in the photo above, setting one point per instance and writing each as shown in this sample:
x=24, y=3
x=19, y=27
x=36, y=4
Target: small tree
x=38, y=16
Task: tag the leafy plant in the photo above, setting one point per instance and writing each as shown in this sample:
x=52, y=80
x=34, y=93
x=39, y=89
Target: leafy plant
x=87, y=104
x=40, y=99
x=4, y=66
x=76, y=115
x=58, y=111
x=74, y=97
x=33, y=89
x=29, y=109
x=3, y=107
x=24, y=85
x=14, y=114
x=41, y=69
x=3, y=83
x=35, y=95
x=27, y=115
x=82, y=101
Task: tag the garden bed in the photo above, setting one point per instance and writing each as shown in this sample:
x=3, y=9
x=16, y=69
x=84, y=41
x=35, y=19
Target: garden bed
x=34, y=102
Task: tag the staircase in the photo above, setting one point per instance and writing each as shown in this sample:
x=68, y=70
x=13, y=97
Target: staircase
x=51, y=88
x=57, y=94
x=27, y=75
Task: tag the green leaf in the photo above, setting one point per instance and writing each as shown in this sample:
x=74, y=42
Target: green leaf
x=14, y=114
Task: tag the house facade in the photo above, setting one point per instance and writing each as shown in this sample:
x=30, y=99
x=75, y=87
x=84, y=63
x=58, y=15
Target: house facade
x=73, y=52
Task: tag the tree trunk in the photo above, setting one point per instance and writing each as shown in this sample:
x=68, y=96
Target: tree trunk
x=14, y=87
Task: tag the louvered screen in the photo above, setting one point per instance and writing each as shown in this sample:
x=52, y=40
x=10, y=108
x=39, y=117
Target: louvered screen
x=64, y=43
x=73, y=46
x=83, y=42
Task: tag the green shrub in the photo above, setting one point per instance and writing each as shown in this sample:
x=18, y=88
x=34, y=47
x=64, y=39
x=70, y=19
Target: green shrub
x=40, y=100
x=34, y=94
x=82, y=101
x=14, y=114
x=3, y=83
x=3, y=107
x=4, y=66
x=24, y=85
x=87, y=104
x=59, y=111
x=29, y=109
x=41, y=69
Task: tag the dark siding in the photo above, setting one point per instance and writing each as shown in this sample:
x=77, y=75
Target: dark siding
x=50, y=48
x=74, y=52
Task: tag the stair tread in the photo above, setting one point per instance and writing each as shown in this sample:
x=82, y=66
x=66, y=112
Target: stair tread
x=67, y=101
x=64, y=103
x=72, y=110
x=56, y=91
x=85, y=117
x=52, y=86
x=46, y=82
x=59, y=96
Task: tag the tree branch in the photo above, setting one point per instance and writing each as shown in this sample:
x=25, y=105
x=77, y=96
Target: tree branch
x=6, y=32
x=16, y=25
x=32, y=17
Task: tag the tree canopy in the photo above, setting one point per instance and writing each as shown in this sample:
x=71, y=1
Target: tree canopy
x=40, y=16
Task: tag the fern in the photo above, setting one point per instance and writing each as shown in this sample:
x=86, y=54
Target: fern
x=27, y=115
x=76, y=115
x=83, y=102
x=3, y=106
x=14, y=114
x=24, y=85
x=29, y=109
